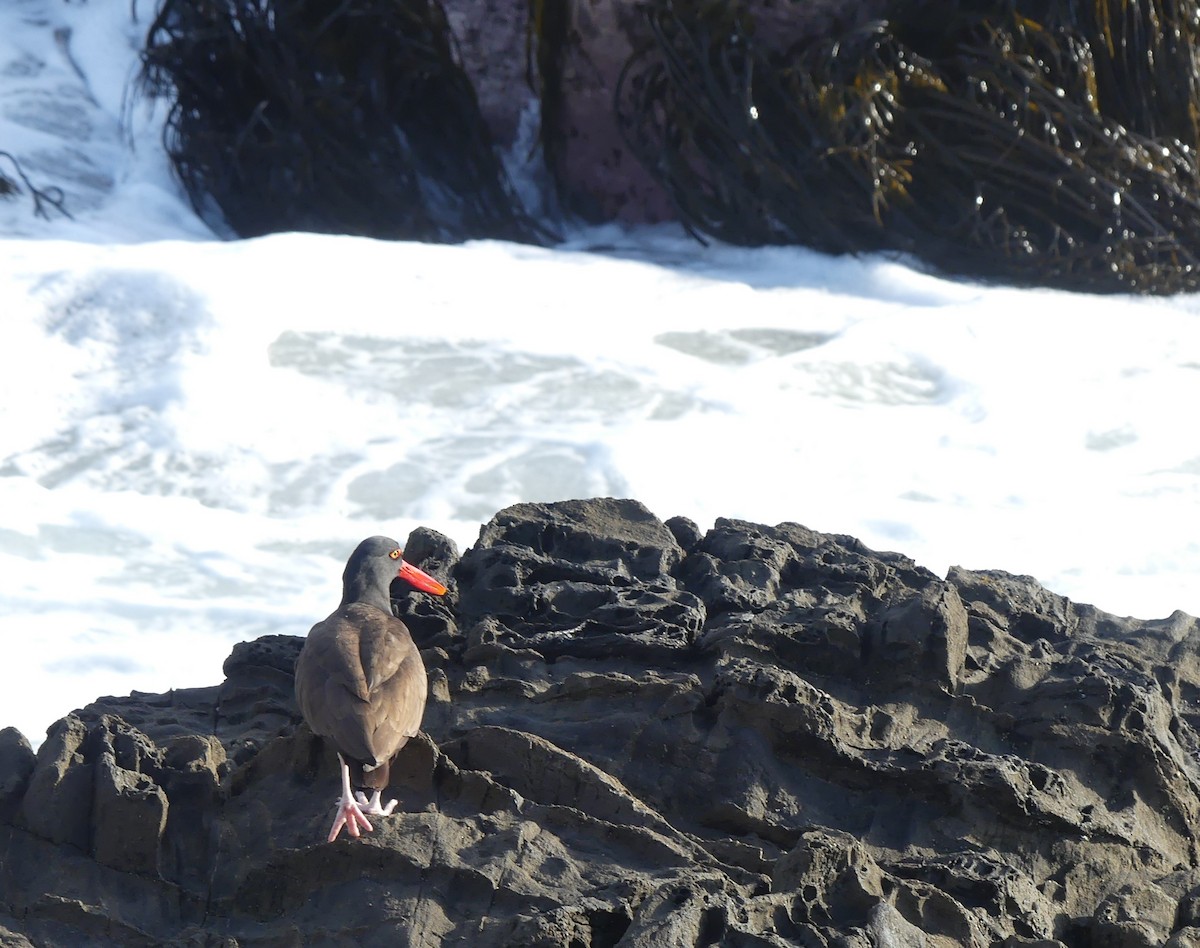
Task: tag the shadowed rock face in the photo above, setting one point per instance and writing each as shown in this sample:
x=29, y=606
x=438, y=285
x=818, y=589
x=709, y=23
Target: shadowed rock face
x=643, y=735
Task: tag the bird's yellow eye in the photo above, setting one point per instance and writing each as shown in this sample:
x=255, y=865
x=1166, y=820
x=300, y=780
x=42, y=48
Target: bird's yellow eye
x=396, y=554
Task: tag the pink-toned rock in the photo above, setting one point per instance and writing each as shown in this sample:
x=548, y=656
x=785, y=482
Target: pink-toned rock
x=598, y=175
x=491, y=41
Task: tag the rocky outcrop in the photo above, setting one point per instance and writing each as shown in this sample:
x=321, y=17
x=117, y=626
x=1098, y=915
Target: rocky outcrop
x=644, y=735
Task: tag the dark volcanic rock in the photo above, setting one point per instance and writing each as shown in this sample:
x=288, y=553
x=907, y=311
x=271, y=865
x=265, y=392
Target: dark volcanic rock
x=643, y=735
x=586, y=579
x=16, y=764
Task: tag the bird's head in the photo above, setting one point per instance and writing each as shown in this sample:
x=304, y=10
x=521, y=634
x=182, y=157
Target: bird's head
x=376, y=562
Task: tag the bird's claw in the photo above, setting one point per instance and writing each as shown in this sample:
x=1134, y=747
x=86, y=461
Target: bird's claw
x=350, y=816
x=376, y=810
x=375, y=805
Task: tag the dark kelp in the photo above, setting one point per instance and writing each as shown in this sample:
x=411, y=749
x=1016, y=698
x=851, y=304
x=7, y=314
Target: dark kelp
x=1046, y=143
x=344, y=117
x=44, y=199
x=1032, y=141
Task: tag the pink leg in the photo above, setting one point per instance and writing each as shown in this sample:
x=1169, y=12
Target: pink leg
x=348, y=813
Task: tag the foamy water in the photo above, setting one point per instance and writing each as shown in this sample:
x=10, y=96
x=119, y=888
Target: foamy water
x=195, y=433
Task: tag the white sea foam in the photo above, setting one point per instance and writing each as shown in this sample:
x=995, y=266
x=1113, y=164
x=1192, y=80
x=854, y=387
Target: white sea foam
x=194, y=433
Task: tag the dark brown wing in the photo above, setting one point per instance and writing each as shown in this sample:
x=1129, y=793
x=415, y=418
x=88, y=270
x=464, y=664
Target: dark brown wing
x=360, y=682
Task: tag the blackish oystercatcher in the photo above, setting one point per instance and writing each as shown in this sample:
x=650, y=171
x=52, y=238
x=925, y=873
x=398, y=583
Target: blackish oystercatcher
x=360, y=681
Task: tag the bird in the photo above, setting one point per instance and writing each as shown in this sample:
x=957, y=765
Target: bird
x=360, y=681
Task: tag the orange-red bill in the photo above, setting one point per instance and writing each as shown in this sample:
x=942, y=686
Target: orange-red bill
x=420, y=579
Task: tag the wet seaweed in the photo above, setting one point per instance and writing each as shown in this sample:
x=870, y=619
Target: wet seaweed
x=340, y=116
x=1049, y=143
x=45, y=199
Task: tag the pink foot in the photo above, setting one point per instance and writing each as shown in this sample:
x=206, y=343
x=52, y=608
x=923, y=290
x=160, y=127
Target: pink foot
x=350, y=816
x=348, y=813
x=375, y=806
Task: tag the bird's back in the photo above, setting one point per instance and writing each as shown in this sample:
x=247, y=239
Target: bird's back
x=360, y=682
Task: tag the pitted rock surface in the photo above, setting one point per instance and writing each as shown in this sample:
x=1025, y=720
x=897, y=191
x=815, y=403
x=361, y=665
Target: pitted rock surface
x=643, y=734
